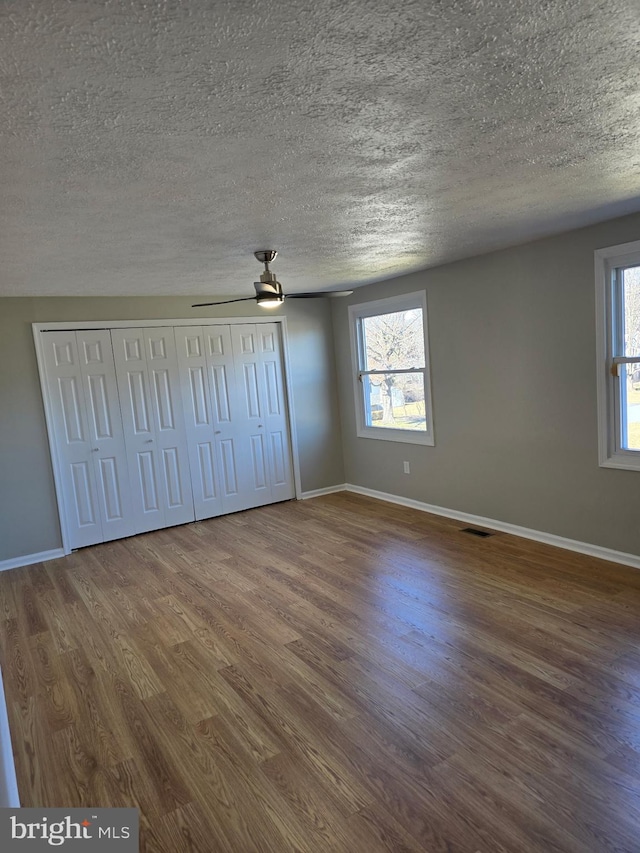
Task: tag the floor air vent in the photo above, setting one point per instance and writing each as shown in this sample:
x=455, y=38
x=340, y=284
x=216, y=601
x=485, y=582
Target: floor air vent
x=474, y=532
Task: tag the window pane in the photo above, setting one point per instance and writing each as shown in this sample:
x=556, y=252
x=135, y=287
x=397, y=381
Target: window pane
x=393, y=341
x=631, y=307
x=395, y=401
x=630, y=408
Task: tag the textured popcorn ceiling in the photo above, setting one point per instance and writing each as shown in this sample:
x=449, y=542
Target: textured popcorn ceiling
x=150, y=147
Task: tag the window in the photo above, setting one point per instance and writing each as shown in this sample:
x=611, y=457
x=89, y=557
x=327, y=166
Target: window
x=391, y=369
x=618, y=341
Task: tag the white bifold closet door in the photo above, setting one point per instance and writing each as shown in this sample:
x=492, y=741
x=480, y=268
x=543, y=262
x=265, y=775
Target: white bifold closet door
x=89, y=439
x=259, y=379
x=150, y=400
x=236, y=418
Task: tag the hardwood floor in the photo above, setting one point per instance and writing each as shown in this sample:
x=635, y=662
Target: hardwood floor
x=332, y=675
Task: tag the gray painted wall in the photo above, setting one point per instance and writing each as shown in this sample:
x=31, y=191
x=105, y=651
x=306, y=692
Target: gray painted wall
x=514, y=393
x=513, y=368
x=28, y=512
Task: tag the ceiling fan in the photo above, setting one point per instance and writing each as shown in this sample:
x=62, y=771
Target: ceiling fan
x=269, y=291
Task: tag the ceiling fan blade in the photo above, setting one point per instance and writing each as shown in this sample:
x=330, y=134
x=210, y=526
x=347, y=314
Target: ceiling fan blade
x=224, y=302
x=330, y=293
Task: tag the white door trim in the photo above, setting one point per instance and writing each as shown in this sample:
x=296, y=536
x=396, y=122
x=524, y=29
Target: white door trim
x=39, y=328
x=140, y=324
x=9, y=796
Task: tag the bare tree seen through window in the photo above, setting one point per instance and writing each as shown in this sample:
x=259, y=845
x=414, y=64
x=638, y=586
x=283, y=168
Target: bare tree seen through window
x=395, y=342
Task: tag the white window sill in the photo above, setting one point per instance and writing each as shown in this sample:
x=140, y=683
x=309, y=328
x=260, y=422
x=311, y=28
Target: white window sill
x=406, y=436
x=622, y=461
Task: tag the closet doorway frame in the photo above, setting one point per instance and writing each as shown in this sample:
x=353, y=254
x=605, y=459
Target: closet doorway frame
x=85, y=325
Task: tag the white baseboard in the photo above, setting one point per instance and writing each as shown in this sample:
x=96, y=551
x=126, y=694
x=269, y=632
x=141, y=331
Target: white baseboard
x=9, y=797
x=504, y=527
x=329, y=490
x=28, y=559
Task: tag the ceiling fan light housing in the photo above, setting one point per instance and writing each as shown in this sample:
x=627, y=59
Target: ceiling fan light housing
x=268, y=285
x=268, y=291
x=269, y=300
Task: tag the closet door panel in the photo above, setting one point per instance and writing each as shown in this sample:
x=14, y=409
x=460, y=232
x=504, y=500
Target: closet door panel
x=115, y=497
x=72, y=411
x=199, y=421
x=247, y=366
x=171, y=439
x=219, y=361
x=259, y=464
x=279, y=455
x=84, y=502
x=106, y=433
x=276, y=419
x=221, y=395
x=73, y=448
x=244, y=430
x=148, y=484
x=199, y=396
x=249, y=392
x=231, y=490
x=139, y=428
x=207, y=469
x=259, y=350
x=233, y=467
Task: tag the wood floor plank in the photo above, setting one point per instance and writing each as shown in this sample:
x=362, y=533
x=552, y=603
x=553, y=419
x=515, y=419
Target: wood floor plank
x=326, y=828
x=256, y=738
x=338, y=674
x=223, y=740
x=296, y=735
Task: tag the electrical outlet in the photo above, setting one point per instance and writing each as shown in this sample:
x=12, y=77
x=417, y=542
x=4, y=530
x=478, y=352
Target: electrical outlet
x=407, y=469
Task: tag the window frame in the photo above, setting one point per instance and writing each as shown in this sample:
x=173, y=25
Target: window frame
x=390, y=305
x=608, y=261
